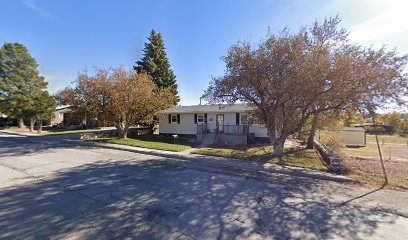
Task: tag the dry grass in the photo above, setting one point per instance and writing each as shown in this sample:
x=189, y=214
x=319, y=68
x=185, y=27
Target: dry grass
x=370, y=151
x=369, y=172
x=304, y=158
x=388, y=139
x=365, y=166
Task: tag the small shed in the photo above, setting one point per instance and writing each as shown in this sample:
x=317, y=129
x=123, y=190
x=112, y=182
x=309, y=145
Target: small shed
x=353, y=136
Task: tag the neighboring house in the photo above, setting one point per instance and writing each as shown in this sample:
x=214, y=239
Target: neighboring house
x=227, y=124
x=65, y=116
x=58, y=118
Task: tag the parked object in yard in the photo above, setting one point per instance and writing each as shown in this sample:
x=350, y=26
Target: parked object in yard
x=353, y=136
x=336, y=164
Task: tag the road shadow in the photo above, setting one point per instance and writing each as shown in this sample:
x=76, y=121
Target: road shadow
x=156, y=199
x=15, y=147
x=361, y=196
x=18, y=145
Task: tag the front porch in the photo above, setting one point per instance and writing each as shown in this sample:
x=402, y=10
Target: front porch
x=224, y=134
x=232, y=134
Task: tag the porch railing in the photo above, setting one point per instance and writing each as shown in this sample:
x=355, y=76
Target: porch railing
x=232, y=129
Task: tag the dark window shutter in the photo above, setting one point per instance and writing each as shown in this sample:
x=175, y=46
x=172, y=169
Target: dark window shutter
x=178, y=118
x=169, y=118
x=237, y=118
x=205, y=118
x=195, y=118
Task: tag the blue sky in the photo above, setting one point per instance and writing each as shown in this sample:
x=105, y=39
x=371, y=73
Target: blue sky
x=67, y=36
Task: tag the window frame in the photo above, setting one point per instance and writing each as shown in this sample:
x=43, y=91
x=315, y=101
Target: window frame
x=174, y=118
x=200, y=116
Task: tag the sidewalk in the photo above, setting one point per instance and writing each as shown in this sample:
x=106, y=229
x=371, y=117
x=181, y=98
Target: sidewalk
x=26, y=134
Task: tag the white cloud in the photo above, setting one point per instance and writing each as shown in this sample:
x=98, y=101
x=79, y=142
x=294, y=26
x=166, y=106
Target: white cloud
x=31, y=4
x=391, y=20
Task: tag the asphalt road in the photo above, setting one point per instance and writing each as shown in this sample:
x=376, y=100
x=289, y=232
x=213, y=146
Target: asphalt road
x=54, y=187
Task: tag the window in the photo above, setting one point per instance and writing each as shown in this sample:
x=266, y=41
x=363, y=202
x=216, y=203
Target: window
x=61, y=116
x=200, y=118
x=173, y=118
x=244, y=119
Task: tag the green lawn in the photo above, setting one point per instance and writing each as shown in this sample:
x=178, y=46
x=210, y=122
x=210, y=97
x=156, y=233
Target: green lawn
x=305, y=158
x=152, y=142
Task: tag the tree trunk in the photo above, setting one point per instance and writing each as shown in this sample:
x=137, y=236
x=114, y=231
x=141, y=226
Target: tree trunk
x=21, y=123
x=39, y=126
x=276, y=143
x=310, y=140
x=122, y=133
x=32, y=123
x=125, y=132
x=122, y=130
x=278, y=150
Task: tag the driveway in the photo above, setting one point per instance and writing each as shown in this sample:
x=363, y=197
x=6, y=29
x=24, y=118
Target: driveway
x=54, y=187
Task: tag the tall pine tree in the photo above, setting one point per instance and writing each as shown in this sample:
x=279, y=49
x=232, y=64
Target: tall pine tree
x=20, y=82
x=156, y=64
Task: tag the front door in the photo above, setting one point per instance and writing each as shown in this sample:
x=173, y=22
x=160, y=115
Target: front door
x=220, y=123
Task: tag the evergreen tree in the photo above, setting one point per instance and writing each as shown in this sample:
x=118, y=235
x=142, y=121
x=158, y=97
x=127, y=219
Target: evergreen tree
x=20, y=81
x=44, y=106
x=156, y=64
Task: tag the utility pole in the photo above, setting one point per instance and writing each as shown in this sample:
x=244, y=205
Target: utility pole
x=379, y=150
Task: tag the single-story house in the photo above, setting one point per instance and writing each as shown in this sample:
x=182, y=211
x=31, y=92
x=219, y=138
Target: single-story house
x=227, y=124
x=58, y=117
x=65, y=116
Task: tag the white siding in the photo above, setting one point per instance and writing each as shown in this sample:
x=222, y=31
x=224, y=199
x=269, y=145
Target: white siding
x=187, y=125
x=259, y=130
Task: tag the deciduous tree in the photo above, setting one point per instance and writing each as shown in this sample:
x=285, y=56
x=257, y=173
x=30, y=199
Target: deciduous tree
x=44, y=106
x=289, y=78
x=118, y=96
x=134, y=99
x=89, y=96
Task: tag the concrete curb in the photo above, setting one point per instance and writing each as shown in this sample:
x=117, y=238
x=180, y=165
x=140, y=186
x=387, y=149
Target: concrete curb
x=232, y=163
